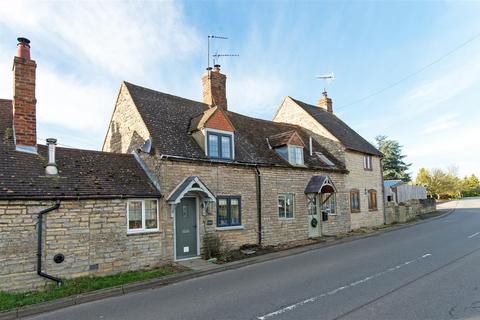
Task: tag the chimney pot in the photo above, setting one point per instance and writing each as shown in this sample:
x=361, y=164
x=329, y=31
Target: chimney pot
x=23, y=48
x=51, y=168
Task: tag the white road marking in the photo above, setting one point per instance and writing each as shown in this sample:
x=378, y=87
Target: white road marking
x=473, y=235
x=334, y=291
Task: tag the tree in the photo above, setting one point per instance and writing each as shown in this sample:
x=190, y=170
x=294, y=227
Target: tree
x=394, y=168
x=470, y=186
x=441, y=184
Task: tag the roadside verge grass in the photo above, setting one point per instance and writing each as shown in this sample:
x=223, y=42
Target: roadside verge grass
x=76, y=286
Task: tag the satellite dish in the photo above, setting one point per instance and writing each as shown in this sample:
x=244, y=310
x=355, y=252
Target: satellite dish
x=147, y=146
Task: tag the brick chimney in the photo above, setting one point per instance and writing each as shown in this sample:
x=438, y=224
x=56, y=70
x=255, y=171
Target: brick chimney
x=325, y=102
x=24, y=102
x=214, y=88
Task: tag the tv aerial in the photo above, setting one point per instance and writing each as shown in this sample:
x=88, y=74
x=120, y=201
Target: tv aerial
x=217, y=55
x=327, y=79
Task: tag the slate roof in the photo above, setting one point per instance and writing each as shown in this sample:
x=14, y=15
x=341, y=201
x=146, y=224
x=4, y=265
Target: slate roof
x=282, y=139
x=169, y=119
x=346, y=135
x=82, y=173
x=317, y=182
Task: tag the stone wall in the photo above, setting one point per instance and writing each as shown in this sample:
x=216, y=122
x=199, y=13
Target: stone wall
x=358, y=178
x=409, y=210
x=364, y=180
x=290, y=112
x=276, y=181
x=233, y=180
x=126, y=131
x=92, y=234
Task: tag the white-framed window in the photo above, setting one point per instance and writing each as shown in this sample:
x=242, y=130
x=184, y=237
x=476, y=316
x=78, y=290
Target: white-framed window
x=330, y=205
x=142, y=215
x=286, y=206
x=295, y=155
x=367, y=162
x=219, y=144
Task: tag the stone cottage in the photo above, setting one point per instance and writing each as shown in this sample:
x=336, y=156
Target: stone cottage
x=364, y=182
x=63, y=211
x=173, y=172
x=244, y=179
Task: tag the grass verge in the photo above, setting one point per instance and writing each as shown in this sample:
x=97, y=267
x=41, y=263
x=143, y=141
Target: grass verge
x=81, y=285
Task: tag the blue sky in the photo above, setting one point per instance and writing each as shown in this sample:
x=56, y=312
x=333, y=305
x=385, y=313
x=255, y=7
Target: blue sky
x=85, y=49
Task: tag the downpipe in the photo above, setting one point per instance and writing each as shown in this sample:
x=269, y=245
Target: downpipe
x=39, y=244
x=259, y=204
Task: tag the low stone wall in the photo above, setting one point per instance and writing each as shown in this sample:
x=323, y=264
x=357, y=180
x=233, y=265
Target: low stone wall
x=407, y=211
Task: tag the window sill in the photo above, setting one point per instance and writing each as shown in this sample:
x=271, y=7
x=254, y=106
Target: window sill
x=143, y=232
x=230, y=228
x=372, y=210
x=355, y=211
x=286, y=219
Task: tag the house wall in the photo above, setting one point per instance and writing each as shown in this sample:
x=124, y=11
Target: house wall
x=290, y=112
x=126, y=131
x=241, y=181
x=276, y=181
x=92, y=234
x=364, y=180
x=358, y=178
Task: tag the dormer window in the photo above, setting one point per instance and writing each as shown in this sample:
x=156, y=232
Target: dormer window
x=295, y=155
x=288, y=145
x=219, y=144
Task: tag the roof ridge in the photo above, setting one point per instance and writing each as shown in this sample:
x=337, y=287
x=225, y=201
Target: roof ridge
x=161, y=92
x=89, y=150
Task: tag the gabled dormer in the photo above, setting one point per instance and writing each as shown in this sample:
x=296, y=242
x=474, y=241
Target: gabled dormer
x=289, y=146
x=214, y=133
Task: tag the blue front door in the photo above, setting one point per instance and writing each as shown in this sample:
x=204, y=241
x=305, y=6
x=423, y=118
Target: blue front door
x=186, y=228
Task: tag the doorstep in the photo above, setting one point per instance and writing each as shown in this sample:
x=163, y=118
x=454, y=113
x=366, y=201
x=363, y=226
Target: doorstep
x=198, y=264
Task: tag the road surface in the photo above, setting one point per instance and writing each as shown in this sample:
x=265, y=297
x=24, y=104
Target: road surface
x=427, y=271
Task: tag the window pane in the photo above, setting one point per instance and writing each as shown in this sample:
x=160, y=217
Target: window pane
x=291, y=155
x=135, y=215
x=330, y=204
x=222, y=214
x=281, y=206
x=312, y=204
x=151, y=214
x=213, y=145
x=226, y=147
x=289, y=206
x=298, y=155
x=234, y=212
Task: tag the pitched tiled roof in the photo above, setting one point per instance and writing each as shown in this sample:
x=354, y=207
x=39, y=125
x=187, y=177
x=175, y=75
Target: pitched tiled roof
x=346, y=135
x=169, y=120
x=82, y=173
x=284, y=138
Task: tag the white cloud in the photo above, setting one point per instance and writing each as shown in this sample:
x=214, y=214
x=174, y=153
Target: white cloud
x=125, y=38
x=441, y=88
x=444, y=122
x=83, y=51
x=255, y=95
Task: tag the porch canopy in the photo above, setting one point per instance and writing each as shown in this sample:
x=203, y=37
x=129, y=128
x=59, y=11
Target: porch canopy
x=320, y=184
x=191, y=186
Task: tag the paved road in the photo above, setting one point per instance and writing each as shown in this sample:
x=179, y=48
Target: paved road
x=427, y=271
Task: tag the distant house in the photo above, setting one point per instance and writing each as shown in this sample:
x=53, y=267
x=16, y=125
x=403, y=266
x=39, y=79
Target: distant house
x=398, y=191
x=172, y=172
